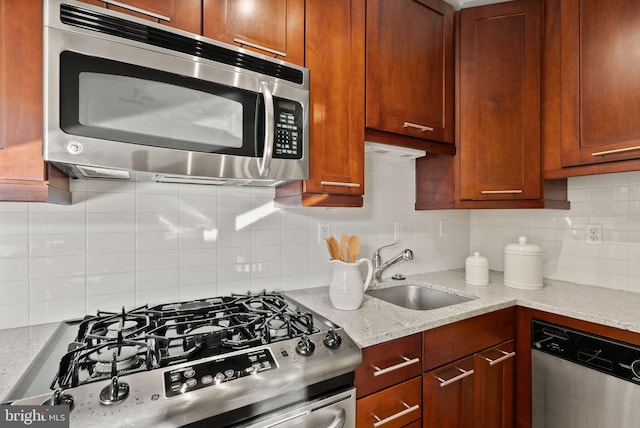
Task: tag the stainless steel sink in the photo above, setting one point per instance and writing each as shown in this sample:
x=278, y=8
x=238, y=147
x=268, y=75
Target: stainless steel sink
x=416, y=297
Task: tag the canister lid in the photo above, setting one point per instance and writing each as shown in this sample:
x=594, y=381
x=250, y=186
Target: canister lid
x=477, y=260
x=524, y=248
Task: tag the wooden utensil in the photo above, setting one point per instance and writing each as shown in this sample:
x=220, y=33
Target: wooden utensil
x=344, y=242
x=334, y=248
x=354, y=248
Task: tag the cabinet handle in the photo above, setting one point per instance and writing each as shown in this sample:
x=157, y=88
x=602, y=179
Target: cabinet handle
x=339, y=183
x=136, y=9
x=407, y=410
x=407, y=362
x=494, y=192
x=256, y=46
x=609, y=152
x=415, y=125
x=506, y=356
x=454, y=379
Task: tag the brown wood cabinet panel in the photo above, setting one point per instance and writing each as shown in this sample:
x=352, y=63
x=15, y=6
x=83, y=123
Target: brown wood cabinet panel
x=494, y=387
x=409, y=71
x=183, y=14
x=270, y=27
x=451, y=342
x=500, y=78
x=448, y=395
x=399, y=358
x=600, y=94
x=402, y=404
x=335, y=58
x=23, y=173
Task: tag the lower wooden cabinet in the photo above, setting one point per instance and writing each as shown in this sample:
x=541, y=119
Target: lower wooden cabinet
x=494, y=386
x=448, y=395
x=397, y=406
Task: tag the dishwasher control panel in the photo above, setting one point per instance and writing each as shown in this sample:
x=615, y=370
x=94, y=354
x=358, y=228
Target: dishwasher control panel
x=610, y=356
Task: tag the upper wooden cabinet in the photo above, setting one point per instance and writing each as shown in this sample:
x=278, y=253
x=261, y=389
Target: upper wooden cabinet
x=24, y=176
x=499, y=102
x=593, y=94
x=270, y=27
x=183, y=14
x=335, y=58
x=499, y=149
x=409, y=71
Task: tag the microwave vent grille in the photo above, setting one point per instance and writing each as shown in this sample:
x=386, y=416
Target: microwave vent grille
x=119, y=27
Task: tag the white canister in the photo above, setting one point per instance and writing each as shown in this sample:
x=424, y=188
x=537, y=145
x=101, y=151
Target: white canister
x=477, y=270
x=523, y=265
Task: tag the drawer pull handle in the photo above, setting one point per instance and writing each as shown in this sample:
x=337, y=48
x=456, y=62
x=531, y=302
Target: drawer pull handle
x=497, y=192
x=339, y=183
x=610, y=152
x=407, y=362
x=136, y=9
x=262, y=48
x=407, y=410
x=506, y=356
x=454, y=379
x=415, y=125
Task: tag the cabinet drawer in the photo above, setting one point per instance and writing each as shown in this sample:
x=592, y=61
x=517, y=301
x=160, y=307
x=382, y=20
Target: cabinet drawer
x=454, y=341
x=388, y=363
x=394, y=407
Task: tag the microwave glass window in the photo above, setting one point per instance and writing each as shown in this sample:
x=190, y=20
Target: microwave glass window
x=158, y=109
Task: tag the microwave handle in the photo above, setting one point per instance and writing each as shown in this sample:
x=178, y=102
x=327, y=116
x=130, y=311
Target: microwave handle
x=265, y=163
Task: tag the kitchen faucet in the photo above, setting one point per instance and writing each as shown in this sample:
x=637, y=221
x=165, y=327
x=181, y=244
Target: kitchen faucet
x=405, y=255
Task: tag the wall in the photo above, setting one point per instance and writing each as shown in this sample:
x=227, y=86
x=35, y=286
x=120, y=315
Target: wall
x=611, y=200
x=129, y=244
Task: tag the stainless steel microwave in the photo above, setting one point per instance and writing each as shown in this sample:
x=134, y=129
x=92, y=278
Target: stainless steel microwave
x=126, y=98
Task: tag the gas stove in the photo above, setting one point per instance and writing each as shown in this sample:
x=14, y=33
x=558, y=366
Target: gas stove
x=238, y=360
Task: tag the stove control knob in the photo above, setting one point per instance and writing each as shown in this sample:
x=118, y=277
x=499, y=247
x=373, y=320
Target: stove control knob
x=635, y=368
x=332, y=340
x=114, y=393
x=305, y=346
x=58, y=398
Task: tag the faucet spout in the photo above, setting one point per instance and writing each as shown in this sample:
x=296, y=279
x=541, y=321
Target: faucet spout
x=405, y=255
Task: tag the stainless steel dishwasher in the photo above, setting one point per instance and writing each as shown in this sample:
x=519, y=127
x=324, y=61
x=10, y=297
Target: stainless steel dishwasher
x=581, y=380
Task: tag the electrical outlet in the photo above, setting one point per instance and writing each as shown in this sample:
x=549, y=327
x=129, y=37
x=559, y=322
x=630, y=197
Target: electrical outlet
x=594, y=234
x=398, y=231
x=323, y=232
x=443, y=228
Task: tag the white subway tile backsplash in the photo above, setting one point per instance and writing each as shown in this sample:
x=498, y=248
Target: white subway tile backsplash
x=56, y=267
x=14, y=293
x=14, y=223
x=57, y=288
x=98, y=264
x=41, y=312
x=14, y=246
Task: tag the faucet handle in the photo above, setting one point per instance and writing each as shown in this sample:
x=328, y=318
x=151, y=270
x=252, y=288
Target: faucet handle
x=377, y=261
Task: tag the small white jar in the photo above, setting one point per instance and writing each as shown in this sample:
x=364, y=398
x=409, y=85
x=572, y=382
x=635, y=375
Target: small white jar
x=523, y=265
x=477, y=270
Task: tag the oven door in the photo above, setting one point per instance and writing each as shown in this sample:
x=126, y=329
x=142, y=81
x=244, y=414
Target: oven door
x=335, y=411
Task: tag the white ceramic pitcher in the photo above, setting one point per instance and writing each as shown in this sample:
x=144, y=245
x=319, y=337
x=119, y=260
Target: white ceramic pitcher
x=347, y=288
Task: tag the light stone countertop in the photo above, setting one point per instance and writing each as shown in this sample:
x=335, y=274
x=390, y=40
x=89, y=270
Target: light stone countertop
x=378, y=321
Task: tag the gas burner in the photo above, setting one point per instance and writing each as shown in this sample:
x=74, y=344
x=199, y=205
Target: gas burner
x=277, y=328
x=124, y=327
x=125, y=358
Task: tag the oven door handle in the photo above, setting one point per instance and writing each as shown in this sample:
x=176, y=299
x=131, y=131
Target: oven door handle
x=265, y=163
x=339, y=420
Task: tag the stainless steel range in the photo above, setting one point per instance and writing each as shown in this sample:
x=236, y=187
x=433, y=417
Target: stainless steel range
x=254, y=360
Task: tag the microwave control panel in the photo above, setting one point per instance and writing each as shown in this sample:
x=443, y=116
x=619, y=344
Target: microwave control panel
x=288, y=138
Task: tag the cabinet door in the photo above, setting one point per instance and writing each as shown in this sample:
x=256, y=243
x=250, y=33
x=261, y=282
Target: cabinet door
x=494, y=386
x=448, y=395
x=23, y=173
x=409, y=88
x=335, y=58
x=500, y=83
x=600, y=94
x=393, y=407
x=183, y=14
x=270, y=27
